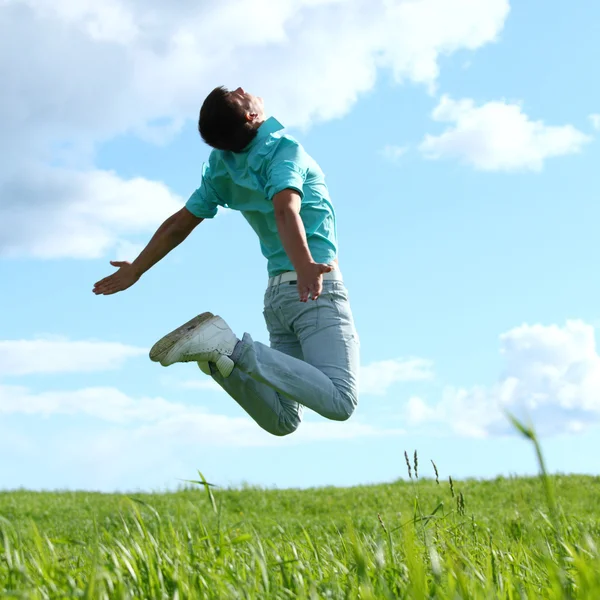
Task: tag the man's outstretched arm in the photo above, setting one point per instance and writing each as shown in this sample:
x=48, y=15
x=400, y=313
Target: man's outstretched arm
x=169, y=235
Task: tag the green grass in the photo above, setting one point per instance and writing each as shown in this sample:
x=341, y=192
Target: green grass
x=507, y=538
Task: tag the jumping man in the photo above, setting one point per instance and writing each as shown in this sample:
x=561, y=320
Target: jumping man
x=313, y=358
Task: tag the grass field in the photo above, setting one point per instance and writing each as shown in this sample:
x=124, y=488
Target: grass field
x=415, y=538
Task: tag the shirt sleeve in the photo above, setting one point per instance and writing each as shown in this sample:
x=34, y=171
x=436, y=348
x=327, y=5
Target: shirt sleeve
x=204, y=203
x=287, y=168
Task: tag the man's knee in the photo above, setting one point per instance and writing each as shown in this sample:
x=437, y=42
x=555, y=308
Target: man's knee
x=345, y=412
x=285, y=426
x=346, y=406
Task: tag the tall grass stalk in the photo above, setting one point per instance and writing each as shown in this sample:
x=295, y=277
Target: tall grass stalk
x=334, y=543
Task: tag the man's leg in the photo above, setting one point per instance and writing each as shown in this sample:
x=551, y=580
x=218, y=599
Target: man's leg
x=327, y=380
x=268, y=383
x=275, y=413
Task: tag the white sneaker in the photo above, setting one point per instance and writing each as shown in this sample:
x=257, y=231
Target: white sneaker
x=206, y=338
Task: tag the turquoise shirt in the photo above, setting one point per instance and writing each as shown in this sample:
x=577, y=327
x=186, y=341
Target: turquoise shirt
x=248, y=180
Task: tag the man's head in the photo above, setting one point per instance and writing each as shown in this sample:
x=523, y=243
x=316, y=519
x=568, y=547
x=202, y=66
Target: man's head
x=229, y=120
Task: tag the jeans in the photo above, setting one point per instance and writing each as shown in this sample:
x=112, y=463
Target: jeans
x=313, y=360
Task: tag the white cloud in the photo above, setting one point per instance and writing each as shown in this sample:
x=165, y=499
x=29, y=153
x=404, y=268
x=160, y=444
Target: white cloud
x=78, y=73
x=376, y=378
x=498, y=136
x=163, y=421
x=127, y=250
x=595, y=120
x=551, y=377
x=418, y=411
x=107, y=404
x=394, y=153
x=196, y=427
x=157, y=455
x=55, y=213
x=57, y=355
x=150, y=58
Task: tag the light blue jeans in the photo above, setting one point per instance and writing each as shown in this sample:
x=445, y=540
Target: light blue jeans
x=313, y=360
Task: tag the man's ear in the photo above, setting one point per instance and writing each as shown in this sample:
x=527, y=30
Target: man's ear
x=251, y=117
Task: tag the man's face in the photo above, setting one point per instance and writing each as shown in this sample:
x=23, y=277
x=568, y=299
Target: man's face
x=252, y=105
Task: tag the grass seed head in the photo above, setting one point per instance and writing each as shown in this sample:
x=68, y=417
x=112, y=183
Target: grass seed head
x=460, y=504
x=408, y=464
x=382, y=523
x=437, y=475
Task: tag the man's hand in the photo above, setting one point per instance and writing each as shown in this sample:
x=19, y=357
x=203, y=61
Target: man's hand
x=169, y=235
x=124, y=278
x=310, y=280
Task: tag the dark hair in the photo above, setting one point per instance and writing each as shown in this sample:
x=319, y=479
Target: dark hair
x=222, y=123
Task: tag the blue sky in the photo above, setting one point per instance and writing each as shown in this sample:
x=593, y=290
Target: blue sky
x=459, y=142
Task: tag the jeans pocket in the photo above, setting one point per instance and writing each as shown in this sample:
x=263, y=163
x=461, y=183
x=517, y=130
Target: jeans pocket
x=336, y=296
x=272, y=322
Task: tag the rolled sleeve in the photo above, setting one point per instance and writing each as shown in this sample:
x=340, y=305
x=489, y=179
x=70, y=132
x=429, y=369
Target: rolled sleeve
x=204, y=203
x=287, y=169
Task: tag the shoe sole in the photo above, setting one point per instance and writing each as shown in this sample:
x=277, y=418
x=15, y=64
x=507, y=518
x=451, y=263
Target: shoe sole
x=162, y=347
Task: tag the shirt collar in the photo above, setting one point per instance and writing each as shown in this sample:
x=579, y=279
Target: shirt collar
x=271, y=125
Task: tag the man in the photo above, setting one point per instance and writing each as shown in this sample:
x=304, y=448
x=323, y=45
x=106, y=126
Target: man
x=313, y=359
